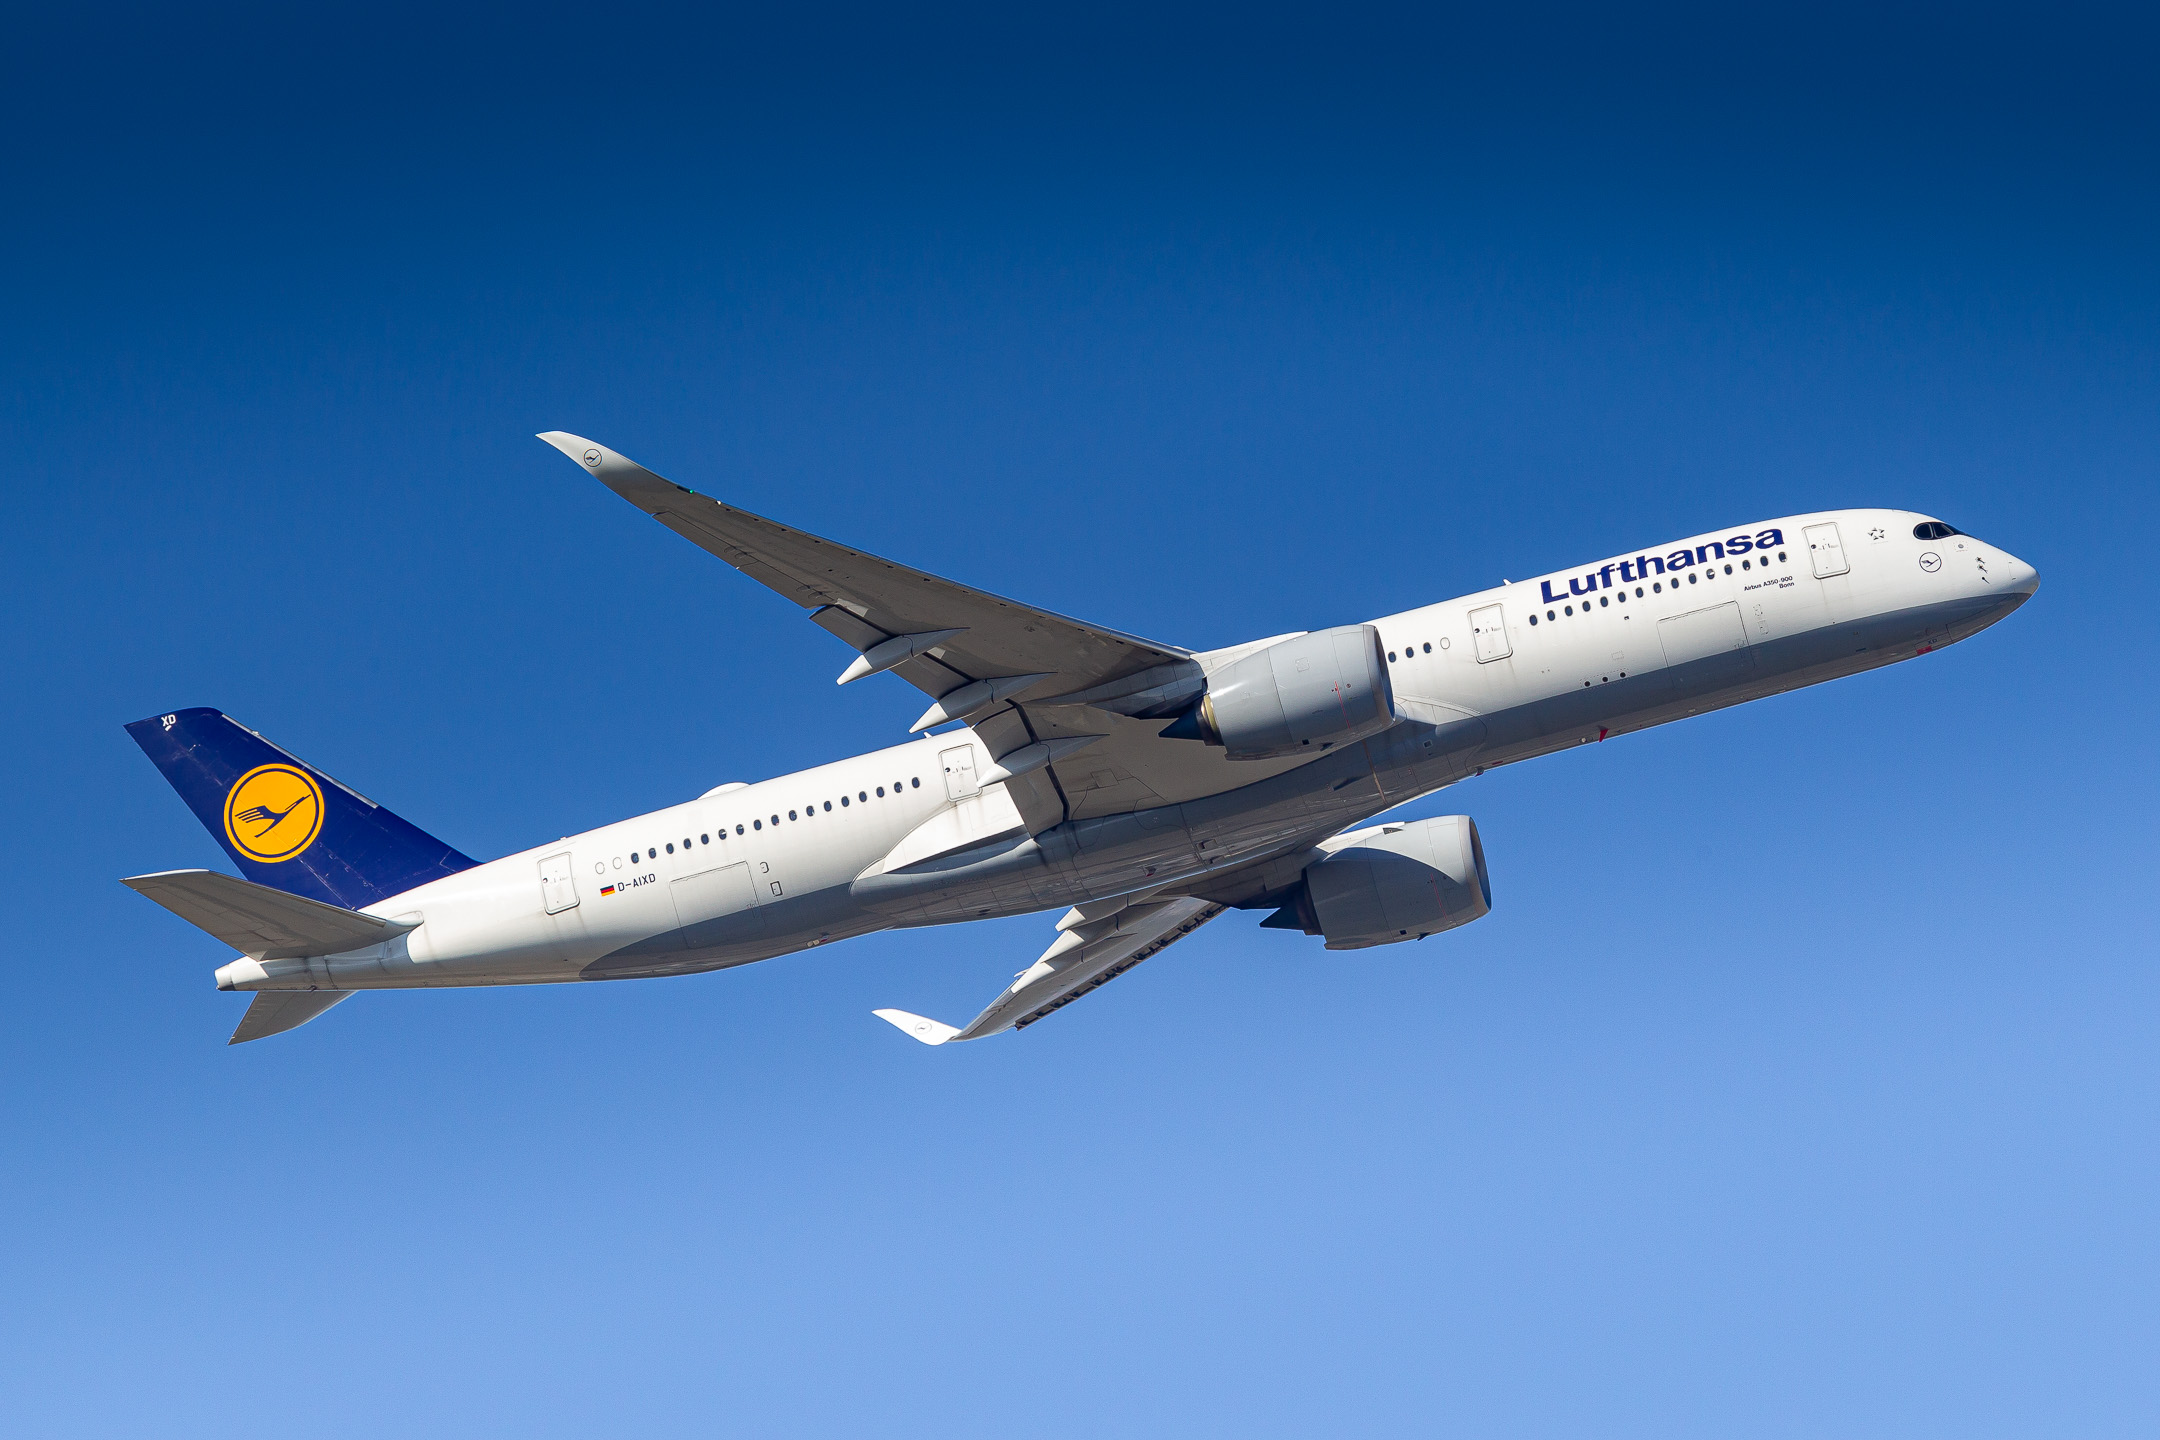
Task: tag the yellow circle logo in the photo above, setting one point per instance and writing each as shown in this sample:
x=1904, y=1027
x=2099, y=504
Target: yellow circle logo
x=273, y=813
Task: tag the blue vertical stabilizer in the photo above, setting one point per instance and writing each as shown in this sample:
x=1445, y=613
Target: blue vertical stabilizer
x=285, y=823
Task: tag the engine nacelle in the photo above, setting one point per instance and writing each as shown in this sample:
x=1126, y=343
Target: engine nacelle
x=1297, y=697
x=1392, y=883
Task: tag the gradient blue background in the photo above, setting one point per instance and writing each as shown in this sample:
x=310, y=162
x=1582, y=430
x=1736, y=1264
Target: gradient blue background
x=1805, y=1079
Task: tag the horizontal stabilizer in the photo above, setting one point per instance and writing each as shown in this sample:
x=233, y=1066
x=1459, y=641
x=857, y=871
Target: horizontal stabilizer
x=276, y=1011
x=259, y=922
x=923, y=1028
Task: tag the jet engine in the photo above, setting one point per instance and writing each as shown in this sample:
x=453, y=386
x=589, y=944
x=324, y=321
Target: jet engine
x=1391, y=883
x=1297, y=697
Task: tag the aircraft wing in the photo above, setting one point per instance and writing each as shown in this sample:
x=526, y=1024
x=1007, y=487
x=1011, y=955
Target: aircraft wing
x=1086, y=956
x=966, y=648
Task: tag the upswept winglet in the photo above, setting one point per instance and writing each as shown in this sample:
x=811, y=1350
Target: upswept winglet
x=920, y=1027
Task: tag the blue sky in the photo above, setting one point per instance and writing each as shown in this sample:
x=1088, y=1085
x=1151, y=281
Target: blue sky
x=1805, y=1077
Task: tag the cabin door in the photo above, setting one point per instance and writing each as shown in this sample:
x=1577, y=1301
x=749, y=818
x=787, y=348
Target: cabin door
x=1825, y=550
x=558, y=889
x=959, y=763
x=1488, y=630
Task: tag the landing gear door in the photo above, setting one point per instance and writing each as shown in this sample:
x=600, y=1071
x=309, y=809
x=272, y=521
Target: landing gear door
x=558, y=890
x=1488, y=631
x=1826, y=550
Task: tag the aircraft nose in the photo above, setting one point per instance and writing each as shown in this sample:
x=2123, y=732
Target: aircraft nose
x=2018, y=576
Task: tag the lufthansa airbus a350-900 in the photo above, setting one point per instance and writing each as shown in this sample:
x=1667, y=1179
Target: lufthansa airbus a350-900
x=1141, y=787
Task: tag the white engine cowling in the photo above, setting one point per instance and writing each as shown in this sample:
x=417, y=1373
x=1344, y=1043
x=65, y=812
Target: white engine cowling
x=1392, y=883
x=1297, y=697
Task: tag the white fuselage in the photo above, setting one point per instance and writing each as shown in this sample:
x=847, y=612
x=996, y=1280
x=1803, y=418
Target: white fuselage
x=753, y=871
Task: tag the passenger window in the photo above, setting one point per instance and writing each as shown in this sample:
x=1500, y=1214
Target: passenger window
x=1692, y=577
x=704, y=839
x=791, y=814
x=881, y=792
x=760, y=824
x=1638, y=592
x=633, y=857
x=1428, y=647
x=1391, y=657
x=916, y=781
x=1568, y=608
x=1728, y=569
x=1603, y=602
x=1533, y=619
x=843, y=802
x=738, y=829
x=1743, y=565
x=1550, y=616
x=828, y=804
x=671, y=847
x=1781, y=555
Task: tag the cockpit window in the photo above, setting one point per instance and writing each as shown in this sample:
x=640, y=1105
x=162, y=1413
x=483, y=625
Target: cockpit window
x=1933, y=530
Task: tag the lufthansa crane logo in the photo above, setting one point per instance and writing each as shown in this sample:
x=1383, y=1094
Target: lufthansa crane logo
x=273, y=812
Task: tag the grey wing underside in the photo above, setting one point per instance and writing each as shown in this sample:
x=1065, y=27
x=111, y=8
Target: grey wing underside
x=867, y=600
x=1086, y=956
x=1023, y=678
